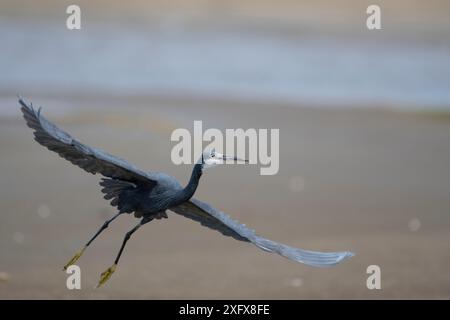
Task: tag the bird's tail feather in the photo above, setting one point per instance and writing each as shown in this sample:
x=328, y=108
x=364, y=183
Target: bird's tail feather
x=115, y=190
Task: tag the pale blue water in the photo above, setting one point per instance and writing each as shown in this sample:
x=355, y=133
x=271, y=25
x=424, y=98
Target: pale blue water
x=105, y=59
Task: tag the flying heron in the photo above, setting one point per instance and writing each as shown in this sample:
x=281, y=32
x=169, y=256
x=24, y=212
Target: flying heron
x=150, y=194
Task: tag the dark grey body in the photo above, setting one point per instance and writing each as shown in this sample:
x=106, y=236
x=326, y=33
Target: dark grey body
x=150, y=199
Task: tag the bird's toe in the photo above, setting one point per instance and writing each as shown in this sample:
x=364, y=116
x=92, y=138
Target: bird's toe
x=106, y=275
x=74, y=258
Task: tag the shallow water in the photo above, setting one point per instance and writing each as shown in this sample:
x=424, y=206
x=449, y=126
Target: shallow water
x=242, y=64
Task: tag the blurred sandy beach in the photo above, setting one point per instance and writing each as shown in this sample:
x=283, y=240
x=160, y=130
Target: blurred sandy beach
x=363, y=160
x=373, y=182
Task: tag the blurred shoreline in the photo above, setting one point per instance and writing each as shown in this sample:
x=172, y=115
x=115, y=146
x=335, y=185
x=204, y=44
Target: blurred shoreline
x=65, y=103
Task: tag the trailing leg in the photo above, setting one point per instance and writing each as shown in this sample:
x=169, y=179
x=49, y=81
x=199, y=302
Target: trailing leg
x=107, y=274
x=79, y=253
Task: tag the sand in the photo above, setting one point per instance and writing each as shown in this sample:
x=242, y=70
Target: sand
x=370, y=181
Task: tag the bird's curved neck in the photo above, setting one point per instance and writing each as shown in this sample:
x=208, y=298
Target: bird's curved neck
x=192, y=185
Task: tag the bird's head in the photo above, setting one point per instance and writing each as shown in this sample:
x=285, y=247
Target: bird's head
x=212, y=158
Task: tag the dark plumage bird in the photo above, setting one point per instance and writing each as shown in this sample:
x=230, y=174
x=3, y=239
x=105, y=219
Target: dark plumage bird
x=148, y=195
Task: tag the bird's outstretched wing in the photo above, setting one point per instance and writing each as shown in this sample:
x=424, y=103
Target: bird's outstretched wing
x=90, y=159
x=217, y=220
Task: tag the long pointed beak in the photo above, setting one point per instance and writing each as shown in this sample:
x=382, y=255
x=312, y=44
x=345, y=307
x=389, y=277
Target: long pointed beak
x=234, y=158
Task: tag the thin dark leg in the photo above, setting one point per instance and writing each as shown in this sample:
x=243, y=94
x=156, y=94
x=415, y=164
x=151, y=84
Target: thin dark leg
x=125, y=240
x=79, y=253
x=103, y=227
x=127, y=237
x=107, y=274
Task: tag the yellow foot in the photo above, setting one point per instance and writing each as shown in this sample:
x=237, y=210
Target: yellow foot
x=106, y=275
x=75, y=258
